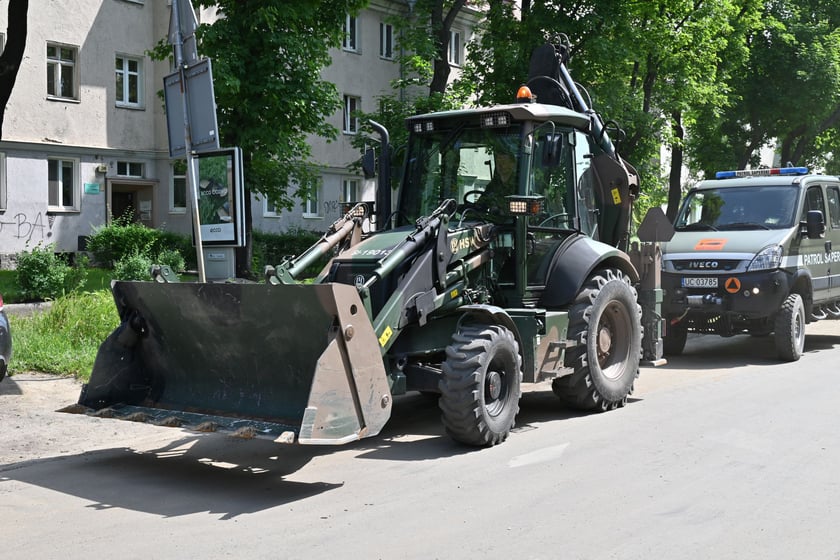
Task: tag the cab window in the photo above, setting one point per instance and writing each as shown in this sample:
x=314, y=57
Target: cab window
x=814, y=201
x=833, y=196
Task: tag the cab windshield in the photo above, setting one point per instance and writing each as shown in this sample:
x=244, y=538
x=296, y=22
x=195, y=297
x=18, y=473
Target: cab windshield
x=475, y=166
x=738, y=208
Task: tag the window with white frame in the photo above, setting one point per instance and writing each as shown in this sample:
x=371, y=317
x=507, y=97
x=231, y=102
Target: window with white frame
x=386, y=40
x=129, y=81
x=178, y=188
x=270, y=209
x=63, y=185
x=351, y=34
x=2, y=181
x=129, y=169
x=455, y=47
x=311, y=203
x=351, y=121
x=350, y=190
x=61, y=71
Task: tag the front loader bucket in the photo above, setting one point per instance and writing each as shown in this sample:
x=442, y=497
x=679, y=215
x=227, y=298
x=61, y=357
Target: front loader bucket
x=289, y=362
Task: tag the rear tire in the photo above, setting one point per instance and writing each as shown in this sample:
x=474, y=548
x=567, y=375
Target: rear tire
x=790, y=329
x=606, y=322
x=673, y=343
x=481, y=385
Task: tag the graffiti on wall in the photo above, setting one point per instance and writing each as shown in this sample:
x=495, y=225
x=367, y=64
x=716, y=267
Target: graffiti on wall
x=21, y=226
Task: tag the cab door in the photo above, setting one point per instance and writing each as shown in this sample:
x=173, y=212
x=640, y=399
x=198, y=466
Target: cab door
x=815, y=253
x=832, y=234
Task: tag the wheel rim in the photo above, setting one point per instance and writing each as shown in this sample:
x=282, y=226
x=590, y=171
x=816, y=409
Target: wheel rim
x=495, y=387
x=612, y=342
x=798, y=331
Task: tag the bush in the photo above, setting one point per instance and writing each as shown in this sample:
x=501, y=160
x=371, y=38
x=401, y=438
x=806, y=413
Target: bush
x=133, y=267
x=177, y=242
x=121, y=238
x=124, y=240
x=273, y=248
x=42, y=275
x=171, y=258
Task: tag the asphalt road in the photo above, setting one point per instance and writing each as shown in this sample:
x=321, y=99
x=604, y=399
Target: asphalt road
x=723, y=453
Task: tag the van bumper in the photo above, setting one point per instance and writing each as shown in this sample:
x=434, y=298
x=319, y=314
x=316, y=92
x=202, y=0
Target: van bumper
x=740, y=299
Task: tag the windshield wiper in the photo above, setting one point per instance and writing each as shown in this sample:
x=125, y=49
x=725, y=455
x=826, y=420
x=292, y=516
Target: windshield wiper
x=744, y=225
x=697, y=226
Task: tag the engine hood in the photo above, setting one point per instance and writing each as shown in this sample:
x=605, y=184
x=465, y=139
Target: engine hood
x=699, y=244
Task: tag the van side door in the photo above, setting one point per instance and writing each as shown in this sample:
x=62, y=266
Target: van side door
x=815, y=253
x=832, y=233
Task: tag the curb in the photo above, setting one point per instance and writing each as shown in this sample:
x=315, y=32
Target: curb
x=26, y=309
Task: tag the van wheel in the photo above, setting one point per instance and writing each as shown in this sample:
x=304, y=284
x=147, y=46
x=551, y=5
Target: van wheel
x=790, y=329
x=673, y=343
x=606, y=322
x=481, y=385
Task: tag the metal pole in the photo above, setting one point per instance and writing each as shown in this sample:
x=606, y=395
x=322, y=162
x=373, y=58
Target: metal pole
x=192, y=168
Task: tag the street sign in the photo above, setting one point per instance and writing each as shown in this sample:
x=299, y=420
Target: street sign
x=201, y=101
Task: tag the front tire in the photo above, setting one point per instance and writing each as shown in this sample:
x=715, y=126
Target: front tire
x=790, y=329
x=481, y=385
x=606, y=322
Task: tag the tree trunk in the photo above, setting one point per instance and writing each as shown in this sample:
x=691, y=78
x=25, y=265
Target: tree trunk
x=441, y=26
x=13, y=53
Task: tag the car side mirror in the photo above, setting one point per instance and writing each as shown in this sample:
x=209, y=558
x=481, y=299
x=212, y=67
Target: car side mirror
x=814, y=225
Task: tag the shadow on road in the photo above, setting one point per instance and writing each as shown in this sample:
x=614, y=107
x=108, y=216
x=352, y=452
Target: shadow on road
x=713, y=351
x=230, y=477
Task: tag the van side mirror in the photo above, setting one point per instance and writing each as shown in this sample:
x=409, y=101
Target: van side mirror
x=814, y=225
x=369, y=163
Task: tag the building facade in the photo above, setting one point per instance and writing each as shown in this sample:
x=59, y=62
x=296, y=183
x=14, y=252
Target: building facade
x=85, y=136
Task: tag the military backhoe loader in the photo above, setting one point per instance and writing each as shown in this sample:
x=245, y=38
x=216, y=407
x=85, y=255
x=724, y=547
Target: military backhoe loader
x=503, y=262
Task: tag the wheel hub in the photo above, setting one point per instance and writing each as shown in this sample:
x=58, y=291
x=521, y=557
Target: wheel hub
x=493, y=385
x=604, y=340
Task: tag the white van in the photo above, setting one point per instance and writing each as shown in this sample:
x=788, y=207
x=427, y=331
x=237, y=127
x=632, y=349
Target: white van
x=754, y=252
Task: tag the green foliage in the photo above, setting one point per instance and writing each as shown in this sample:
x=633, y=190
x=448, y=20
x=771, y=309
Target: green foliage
x=126, y=245
x=171, y=258
x=112, y=242
x=273, y=248
x=171, y=241
x=136, y=266
x=43, y=275
x=267, y=60
x=65, y=338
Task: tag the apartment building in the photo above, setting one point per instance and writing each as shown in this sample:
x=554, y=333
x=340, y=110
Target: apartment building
x=85, y=136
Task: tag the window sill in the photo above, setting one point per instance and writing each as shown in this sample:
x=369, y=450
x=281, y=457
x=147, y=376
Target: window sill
x=58, y=210
x=311, y=217
x=129, y=106
x=178, y=211
x=62, y=99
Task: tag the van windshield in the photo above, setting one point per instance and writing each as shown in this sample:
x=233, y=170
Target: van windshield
x=739, y=208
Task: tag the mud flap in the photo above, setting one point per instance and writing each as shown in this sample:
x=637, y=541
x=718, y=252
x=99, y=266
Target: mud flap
x=286, y=362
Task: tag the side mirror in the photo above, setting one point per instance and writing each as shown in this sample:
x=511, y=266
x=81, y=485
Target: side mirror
x=369, y=163
x=551, y=150
x=814, y=224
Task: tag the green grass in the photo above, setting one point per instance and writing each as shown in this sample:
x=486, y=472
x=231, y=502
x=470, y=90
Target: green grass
x=65, y=338
x=97, y=279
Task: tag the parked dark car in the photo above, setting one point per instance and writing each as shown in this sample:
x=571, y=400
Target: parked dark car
x=5, y=341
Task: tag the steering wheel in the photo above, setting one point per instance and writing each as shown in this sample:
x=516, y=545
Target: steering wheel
x=556, y=218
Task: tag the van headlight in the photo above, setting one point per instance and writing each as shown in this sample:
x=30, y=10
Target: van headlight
x=768, y=258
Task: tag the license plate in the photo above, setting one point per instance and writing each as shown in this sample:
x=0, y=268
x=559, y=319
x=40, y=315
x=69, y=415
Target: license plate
x=705, y=282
